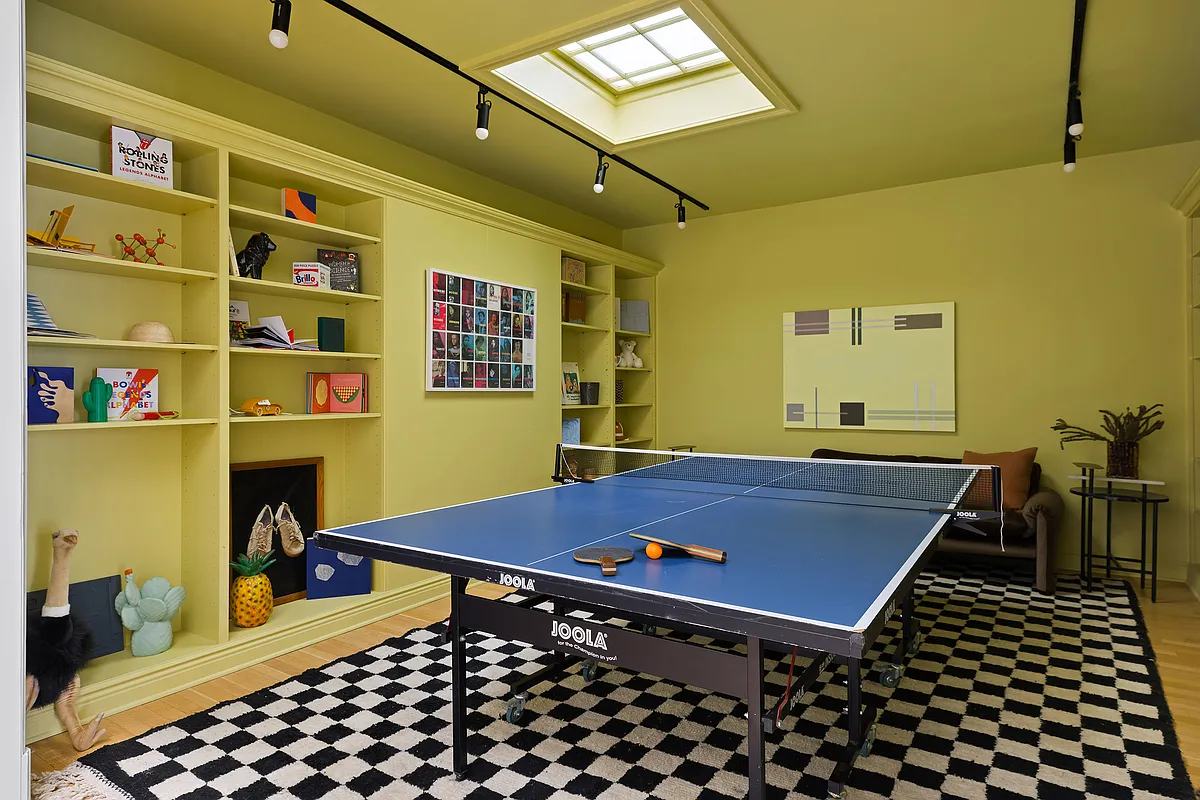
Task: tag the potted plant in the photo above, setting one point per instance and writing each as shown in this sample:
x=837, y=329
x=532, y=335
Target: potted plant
x=1124, y=432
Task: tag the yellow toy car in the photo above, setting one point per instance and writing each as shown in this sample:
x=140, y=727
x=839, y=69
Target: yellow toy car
x=261, y=406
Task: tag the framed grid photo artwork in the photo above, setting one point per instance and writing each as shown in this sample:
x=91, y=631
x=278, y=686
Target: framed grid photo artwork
x=480, y=334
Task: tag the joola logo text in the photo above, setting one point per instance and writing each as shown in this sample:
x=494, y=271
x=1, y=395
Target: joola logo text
x=578, y=635
x=516, y=581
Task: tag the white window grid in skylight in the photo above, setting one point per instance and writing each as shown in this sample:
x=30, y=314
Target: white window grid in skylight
x=656, y=49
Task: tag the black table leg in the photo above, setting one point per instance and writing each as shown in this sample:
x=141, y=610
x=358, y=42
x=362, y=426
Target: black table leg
x=1083, y=536
x=458, y=668
x=755, y=746
x=1143, y=562
x=1154, y=563
x=1091, y=515
x=1108, y=537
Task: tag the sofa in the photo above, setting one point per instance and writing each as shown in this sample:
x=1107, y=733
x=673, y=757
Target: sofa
x=1029, y=532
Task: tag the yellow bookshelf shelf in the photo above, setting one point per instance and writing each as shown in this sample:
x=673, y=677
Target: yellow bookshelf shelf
x=73, y=180
x=575, y=326
x=580, y=405
x=634, y=369
x=99, y=265
x=634, y=405
x=264, y=351
x=633, y=333
x=277, y=289
x=115, y=426
x=306, y=417
x=116, y=344
x=297, y=613
x=634, y=440
x=596, y=444
x=582, y=288
x=275, y=224
x=184, y=647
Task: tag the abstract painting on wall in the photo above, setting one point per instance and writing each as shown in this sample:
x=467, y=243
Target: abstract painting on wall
x=884, y=368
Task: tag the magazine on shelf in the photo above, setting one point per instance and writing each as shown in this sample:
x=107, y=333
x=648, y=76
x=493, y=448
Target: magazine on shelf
x=38, y=321
x=272, y=333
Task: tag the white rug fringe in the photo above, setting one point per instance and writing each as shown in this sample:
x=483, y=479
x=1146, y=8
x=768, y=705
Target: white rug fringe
x=76, y=782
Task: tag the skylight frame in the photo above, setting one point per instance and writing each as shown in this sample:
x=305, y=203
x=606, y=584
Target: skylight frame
x=673, y=69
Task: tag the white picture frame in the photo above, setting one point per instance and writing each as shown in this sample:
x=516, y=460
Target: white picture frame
x=498, y=309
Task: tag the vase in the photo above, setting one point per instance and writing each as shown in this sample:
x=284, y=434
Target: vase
x=1122, y=460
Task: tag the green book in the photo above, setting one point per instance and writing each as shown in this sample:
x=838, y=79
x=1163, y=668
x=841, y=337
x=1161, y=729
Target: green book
x=331, y=334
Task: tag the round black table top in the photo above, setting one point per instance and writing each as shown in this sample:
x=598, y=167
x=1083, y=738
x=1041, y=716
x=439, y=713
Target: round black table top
x=1103, y=492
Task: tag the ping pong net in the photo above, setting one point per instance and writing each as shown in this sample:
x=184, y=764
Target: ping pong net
x=967, y=492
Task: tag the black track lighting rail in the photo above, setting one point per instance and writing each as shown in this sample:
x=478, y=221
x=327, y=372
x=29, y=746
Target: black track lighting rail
x=450, y=66
x=1073, y=128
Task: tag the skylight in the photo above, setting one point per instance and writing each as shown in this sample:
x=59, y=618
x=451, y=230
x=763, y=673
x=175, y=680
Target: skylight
x=656, y=49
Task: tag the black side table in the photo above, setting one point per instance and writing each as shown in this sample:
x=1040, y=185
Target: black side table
x=1092, y=489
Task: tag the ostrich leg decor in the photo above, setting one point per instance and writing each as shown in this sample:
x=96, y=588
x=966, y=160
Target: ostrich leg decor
x=57, y=646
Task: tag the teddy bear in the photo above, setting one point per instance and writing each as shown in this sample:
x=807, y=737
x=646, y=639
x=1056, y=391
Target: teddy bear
x=628, y=358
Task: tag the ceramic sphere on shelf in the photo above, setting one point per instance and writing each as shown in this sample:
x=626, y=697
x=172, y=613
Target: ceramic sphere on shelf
x=151, y=332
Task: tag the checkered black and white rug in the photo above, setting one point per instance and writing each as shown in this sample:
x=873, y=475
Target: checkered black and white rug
x=1012, y=694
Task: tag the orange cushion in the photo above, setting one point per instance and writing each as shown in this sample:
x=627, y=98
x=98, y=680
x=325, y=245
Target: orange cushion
x=1015, y=469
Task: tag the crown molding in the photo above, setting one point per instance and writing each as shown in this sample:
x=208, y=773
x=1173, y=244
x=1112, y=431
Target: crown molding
x=77, y=87
x=1188, y=201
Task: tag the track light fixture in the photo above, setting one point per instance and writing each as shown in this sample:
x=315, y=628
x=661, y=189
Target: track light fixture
x=682, y=213
x=1074, y=113
x=281, y=20
x=483, y=113
x=1069, y=154
x=601, y=171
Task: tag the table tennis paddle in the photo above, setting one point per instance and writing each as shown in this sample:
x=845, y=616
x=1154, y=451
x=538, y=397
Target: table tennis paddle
x=606, y=557
x=695, y=550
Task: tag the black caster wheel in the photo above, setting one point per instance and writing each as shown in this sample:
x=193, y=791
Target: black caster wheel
x=589, y=671
x=868, y=742
x=890, y=676
x=837, y=795
x=650, y=630
x=515, y=710
x=914, y=643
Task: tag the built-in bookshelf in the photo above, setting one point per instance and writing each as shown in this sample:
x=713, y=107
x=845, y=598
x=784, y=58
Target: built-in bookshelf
x=594, y=345
x=153, y=496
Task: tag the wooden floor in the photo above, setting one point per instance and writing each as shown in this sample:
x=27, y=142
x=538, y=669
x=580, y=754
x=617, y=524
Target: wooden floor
x=1173, y=623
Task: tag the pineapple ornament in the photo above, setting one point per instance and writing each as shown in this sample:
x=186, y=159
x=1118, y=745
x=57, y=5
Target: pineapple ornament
x=250, y=598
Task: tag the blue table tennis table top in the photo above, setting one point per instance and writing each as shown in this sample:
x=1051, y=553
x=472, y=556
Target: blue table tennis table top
x=805, y=556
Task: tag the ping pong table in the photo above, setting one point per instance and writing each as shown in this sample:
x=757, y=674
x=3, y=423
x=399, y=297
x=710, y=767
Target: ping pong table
x=820, y=555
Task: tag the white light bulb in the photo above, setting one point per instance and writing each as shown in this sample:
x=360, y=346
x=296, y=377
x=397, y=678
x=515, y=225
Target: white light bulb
x=278, y=38
x=1069, y=166
x=1076, y=129
x=598, y=188
x=481, y=133
x=682, y=225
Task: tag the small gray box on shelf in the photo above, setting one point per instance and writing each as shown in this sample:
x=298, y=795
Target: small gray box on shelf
x=635, y=316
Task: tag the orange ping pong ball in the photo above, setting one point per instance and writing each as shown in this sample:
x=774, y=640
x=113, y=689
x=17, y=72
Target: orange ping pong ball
x=653, y=550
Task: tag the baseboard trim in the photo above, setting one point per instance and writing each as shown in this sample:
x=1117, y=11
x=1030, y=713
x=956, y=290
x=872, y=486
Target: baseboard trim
x=221, y=659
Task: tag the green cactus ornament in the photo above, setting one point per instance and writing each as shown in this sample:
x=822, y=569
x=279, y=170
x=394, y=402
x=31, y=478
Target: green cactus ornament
x=148, y=612
x=95, y=400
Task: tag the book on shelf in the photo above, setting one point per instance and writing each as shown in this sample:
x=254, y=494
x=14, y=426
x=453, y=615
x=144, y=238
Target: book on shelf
x=343, y=269
x=316, y=397
x=273, y=334
x=142, y=157
x=133, y=390
x=570, y=383
x=348, y=393
x=571, y=430
x=239, y=320
x=38, y=321
x=50, y=395
x=299, y=205
x=331, y=334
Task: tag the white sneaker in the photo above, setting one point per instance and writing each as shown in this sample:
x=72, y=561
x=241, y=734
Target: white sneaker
x=260, y=534
x=290, y=534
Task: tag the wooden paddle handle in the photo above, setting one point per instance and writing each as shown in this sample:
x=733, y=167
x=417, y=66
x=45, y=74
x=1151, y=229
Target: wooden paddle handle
x=707, y=553
x=608, y=566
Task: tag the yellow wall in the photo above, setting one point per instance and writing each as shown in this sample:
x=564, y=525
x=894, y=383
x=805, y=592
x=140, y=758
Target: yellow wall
x=55, y=34
x=1070, y=297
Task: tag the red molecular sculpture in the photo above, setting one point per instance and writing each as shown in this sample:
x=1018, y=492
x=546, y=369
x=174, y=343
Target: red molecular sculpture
x=139, y=243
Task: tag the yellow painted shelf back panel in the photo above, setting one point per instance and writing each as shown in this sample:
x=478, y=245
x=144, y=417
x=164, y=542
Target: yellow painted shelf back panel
x=116, y=344
x=74, y=180
x=100, y=265
x=277, y=289
x=274, y=224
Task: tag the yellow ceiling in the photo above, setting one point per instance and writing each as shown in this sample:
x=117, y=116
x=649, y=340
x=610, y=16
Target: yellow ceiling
x=888, y=93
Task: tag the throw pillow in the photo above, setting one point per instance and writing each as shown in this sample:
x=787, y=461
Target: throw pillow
x=1015, y=468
